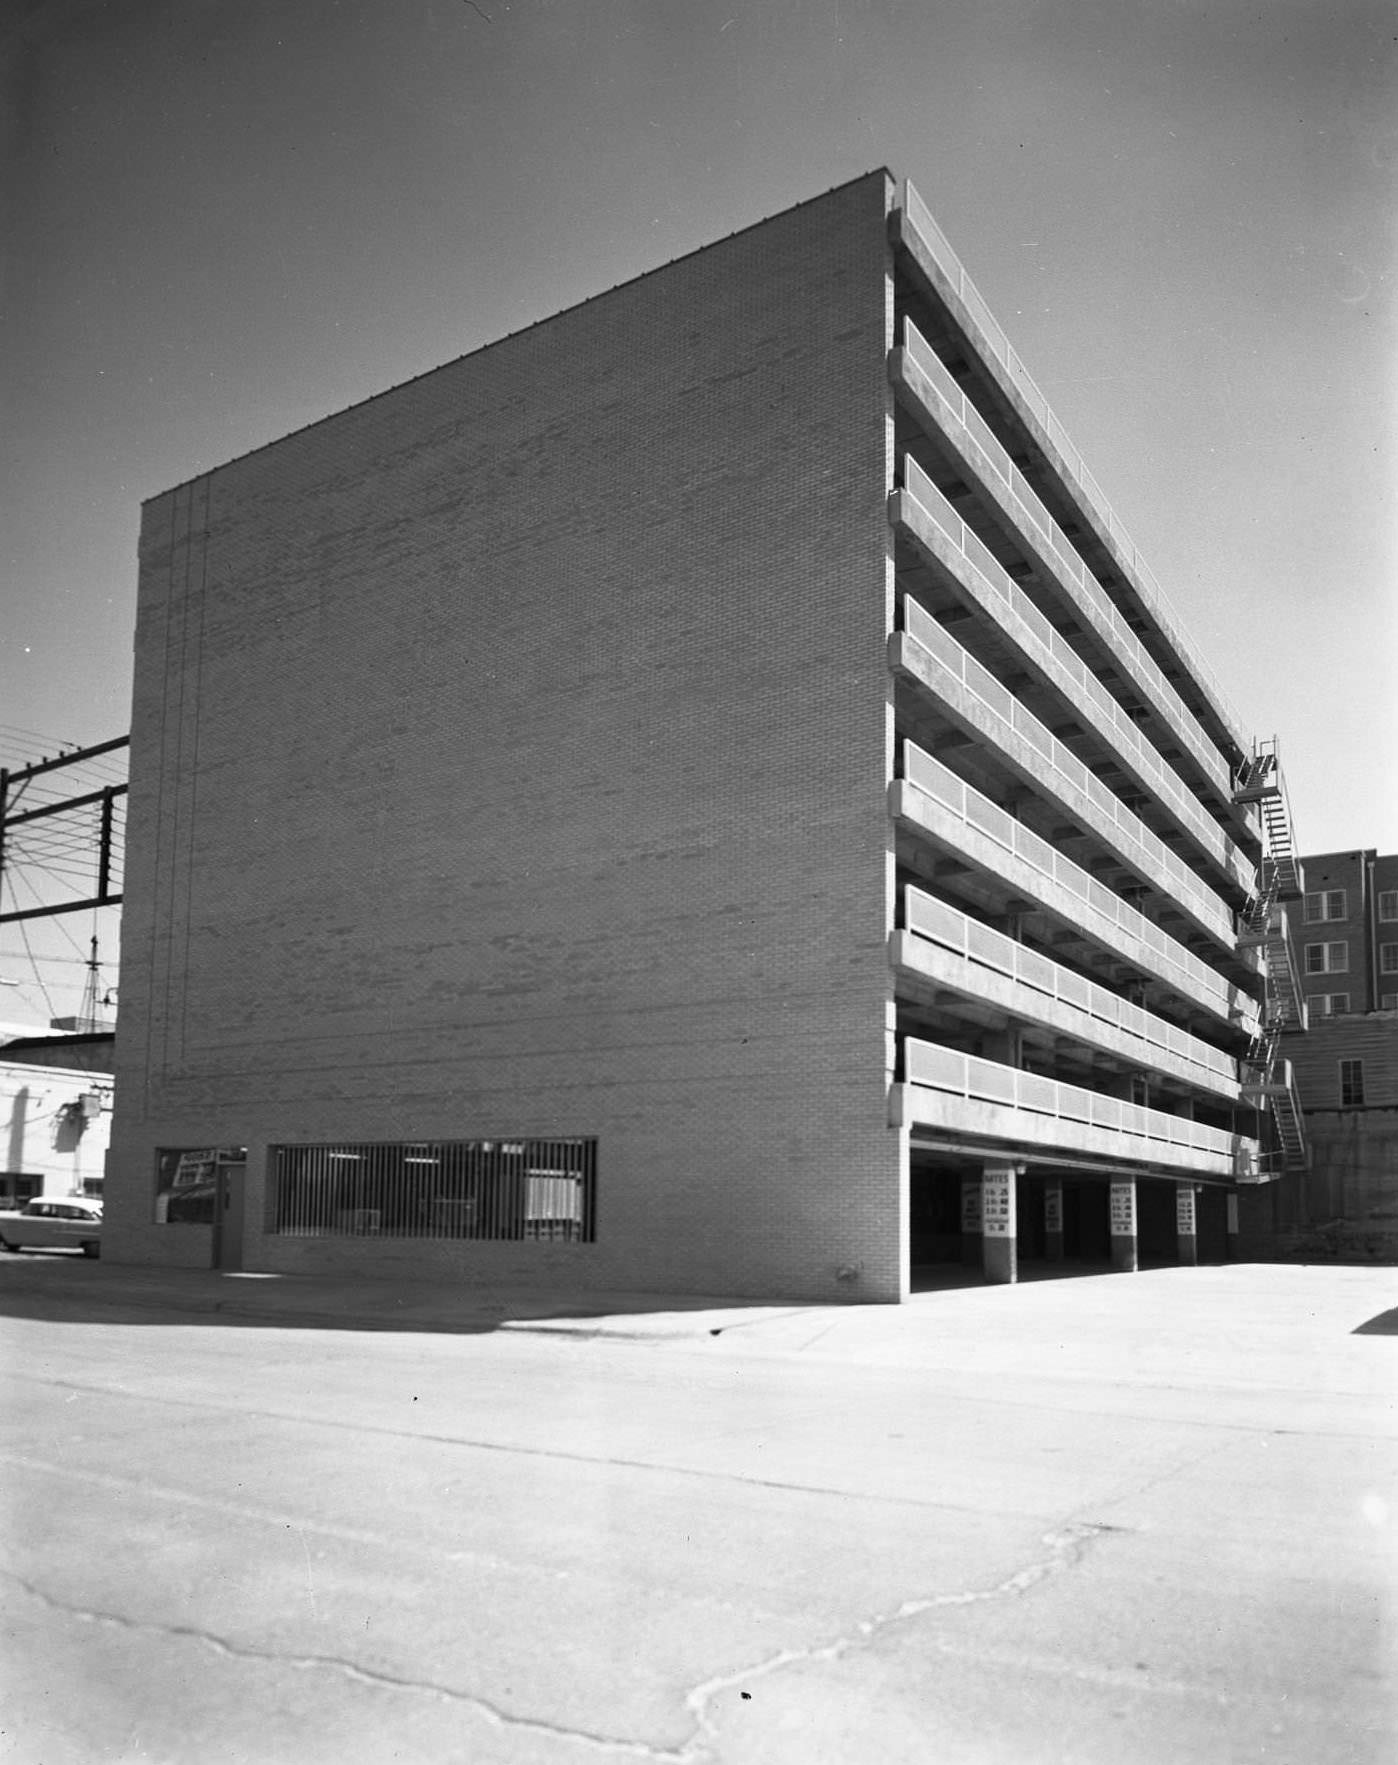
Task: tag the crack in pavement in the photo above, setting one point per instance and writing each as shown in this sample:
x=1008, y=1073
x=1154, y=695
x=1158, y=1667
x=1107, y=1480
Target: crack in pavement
x=1066, y=1548
x=276, y=1520
x=1178, y=1466
x=492, y=1714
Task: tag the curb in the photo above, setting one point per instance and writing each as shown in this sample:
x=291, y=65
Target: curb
x=589, y=1316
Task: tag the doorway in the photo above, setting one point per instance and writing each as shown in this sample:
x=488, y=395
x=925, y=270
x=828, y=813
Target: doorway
x=1086, y=1231
x=230, y=1201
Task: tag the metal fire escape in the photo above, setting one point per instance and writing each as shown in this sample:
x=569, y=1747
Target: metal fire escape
x=1268, y=1082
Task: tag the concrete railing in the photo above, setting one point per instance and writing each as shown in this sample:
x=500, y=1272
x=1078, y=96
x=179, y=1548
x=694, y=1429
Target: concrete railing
x=1093, y=901
x=947, y=926
x=1042, y=645
x=934, y=1068
x=918, y=216
x=996, y=468
x=1133, y=840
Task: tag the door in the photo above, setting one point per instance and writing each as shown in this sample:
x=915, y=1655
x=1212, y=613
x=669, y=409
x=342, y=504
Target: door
x=229, y=1196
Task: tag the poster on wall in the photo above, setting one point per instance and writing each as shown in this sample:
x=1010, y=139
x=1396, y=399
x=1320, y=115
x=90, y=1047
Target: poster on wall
x=187, y=1180
x=997, y=1201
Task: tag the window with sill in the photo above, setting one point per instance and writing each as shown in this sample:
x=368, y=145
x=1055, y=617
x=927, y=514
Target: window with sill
x=1328, y=958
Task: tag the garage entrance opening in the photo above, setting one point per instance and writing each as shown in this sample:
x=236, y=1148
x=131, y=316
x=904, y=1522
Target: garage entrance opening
x=1062, y=1225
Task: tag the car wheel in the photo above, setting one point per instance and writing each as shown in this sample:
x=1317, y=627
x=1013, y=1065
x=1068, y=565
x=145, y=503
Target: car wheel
x=92, y=1250
x=14, y=1249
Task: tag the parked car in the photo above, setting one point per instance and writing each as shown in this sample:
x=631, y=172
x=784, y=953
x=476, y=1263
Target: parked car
x=72, y=1223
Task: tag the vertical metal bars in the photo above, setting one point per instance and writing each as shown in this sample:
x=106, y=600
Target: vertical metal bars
x=438, y=1189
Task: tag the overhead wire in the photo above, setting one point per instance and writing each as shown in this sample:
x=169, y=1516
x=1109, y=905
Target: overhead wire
x=39, y=979
x=58, y=857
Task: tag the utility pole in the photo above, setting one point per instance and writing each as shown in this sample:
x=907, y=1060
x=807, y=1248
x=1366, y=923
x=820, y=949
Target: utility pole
x=19, y=781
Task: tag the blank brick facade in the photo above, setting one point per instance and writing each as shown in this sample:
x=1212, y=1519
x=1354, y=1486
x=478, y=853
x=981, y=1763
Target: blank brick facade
x=509, y=759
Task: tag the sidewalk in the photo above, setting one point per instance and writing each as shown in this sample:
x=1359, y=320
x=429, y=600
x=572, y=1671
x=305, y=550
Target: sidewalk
x=1317, y=1329
x=356, y=1304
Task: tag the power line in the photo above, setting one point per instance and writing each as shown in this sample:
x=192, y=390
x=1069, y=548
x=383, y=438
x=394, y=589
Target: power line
x=64, y=826
x=49, y=961
x=48, y=1002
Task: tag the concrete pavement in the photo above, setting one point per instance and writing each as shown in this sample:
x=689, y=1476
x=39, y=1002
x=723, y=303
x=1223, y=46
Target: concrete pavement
x=1154, y=1325
x=1106, y=1521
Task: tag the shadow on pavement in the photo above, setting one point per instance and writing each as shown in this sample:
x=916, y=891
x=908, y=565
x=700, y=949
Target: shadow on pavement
x=64, y=1287
x=1384, y=1324
x=940, y=1277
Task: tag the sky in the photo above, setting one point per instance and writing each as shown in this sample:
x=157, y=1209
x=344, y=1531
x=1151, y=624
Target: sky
x=223, y=219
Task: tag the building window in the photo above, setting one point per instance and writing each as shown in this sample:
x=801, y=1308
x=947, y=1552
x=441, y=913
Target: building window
x=17, y=1187
x=514, y=1189
x=186, y=1182
x=1327, y=958
x=1388, y=1001
x=1327, y=904
x=1388, y=958
x=1388, y=904
x=1329, y=1004
x=1351, y=1083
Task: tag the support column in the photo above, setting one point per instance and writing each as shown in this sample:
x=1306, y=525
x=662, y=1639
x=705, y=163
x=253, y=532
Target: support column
x=1186, y=1224
x=1232, y=1249
x=1053, y=1222
x=1123, y=1225
x=1006, y=1046
x=971, y=1222
x=999, y=1246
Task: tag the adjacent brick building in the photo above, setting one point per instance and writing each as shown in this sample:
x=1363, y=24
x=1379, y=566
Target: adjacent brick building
x=1346, y=1069
x=700, y=794
x=1346, y=940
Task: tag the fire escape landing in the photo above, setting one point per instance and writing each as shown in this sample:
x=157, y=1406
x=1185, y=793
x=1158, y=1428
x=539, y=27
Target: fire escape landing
x=1268, y=1082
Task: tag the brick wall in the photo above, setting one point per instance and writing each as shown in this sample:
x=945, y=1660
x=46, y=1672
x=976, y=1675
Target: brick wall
x=1385, y=930
x=1344, y=1209
x=1315, y=1056
x=1365, y=878
x=1345, y=1206
x=508, y=759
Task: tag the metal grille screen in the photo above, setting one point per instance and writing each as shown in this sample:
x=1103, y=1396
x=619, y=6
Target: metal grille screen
x=540, y=1189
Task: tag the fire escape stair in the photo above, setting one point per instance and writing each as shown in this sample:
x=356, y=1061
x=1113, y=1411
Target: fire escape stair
x=1268, y=1082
